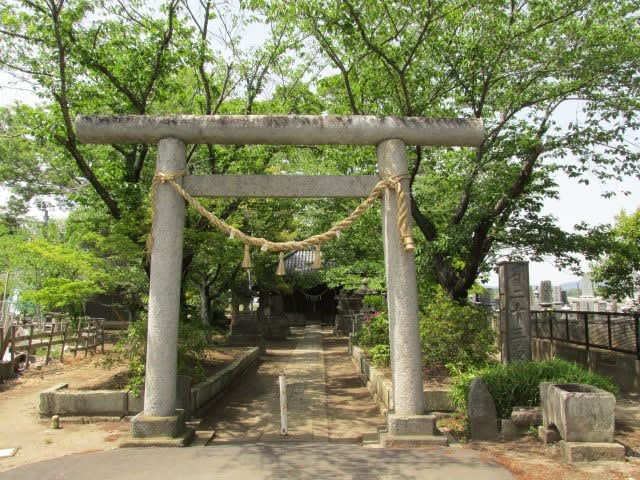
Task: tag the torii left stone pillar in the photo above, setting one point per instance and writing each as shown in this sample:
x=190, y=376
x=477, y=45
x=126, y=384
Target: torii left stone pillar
x=159, y=416
x=171, y=133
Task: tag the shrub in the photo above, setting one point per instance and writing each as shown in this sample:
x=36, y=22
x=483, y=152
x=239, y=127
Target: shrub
x=193, y=341
x=454, y=334
x=516, y=384
x=373, y=331
x=377, y=303
x=380, y=355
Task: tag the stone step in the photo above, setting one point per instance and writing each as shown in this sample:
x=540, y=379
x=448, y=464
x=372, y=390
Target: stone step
x=412, y=441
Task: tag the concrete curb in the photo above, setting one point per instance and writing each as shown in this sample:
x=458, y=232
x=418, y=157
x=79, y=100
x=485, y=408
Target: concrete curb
x=381, y=388
x=206, y=393
x=59, y=400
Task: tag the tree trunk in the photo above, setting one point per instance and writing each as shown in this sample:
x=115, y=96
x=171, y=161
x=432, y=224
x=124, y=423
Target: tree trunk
x=205, y=303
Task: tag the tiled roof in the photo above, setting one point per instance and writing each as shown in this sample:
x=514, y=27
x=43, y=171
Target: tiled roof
x=300, y=261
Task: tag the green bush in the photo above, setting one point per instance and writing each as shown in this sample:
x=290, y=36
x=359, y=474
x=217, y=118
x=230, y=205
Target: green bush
x=454, y=334
x=193, y=341
x=374, y=331
x=376, y=303
x=516, y=384
x=380, y=355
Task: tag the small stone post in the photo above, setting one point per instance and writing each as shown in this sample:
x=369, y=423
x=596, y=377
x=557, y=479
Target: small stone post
x=402, y=303
x=164, y=302
x=515, y=317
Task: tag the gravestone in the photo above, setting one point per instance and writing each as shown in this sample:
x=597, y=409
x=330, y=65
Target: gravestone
x=483, y=419
x=546, y=293
x=587, y=285
x=557, y=297
x=533, y=299
x=515, y=319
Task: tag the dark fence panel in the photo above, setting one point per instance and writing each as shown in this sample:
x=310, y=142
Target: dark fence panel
x=619, y=332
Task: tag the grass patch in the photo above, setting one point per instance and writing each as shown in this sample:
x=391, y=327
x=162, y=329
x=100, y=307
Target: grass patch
x=517, y=384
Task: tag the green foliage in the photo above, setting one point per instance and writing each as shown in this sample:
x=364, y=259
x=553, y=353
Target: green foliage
x=454, y=334
x=374, y=331
x=516, y=384
x=515, y=65
x=619, y=269
x=450, y=333
x=377, y=303
x=131, y=350
x=193, y=342
x=380, y=355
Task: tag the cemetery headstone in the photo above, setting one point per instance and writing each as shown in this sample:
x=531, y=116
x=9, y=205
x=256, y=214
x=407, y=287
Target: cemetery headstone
x=546, y=293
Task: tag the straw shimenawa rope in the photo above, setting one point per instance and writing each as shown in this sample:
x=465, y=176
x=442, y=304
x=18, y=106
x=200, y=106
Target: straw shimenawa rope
x=392, y=182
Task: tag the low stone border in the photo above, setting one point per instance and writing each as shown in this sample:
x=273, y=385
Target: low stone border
x=380, y=387
x=207, y=392
x=58, y=400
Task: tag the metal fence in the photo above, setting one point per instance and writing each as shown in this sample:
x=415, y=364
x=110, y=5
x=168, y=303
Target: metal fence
x=619, y=332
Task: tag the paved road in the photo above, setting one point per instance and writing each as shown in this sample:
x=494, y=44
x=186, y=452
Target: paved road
x=248, y=444
x=304, y=461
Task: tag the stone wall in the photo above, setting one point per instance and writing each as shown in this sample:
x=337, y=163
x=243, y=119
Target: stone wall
x=381, y=388
x=58, y=400
x=623, y=368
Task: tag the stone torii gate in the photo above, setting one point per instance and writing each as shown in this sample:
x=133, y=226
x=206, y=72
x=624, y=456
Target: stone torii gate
x=172, y=133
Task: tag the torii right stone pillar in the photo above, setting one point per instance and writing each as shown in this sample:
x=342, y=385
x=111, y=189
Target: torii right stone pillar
x=408, y=421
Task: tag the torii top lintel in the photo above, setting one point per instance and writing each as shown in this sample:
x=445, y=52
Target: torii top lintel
x=279, y=129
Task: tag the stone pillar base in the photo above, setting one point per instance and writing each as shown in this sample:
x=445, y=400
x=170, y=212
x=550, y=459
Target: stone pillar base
x=411, y=424
x=405, y=431
x=146, y=426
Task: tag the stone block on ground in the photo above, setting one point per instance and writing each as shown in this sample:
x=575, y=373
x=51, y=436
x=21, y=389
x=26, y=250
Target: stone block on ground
x=483, y=419
x=581, y=413
x=84, y=402
x=527, y=416
x=591, y=451
x=438, y=400
x=146, y=426
x=399, y=425
x=510, y=431
x=412, y=441
x=548, y=434
x=6, y=370
x=135, y=403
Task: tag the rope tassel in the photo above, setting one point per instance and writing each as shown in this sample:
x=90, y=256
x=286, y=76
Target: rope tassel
x=246, y=261
x=317, y=259
x=281, y=270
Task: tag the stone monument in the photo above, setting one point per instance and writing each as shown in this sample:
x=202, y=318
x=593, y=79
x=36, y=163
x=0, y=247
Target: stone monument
x=246, y=329
x=546, y=293
x=515, y=319
x=557, y=298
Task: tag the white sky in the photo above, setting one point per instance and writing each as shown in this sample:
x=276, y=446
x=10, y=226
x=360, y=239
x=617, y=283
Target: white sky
x=577, y=202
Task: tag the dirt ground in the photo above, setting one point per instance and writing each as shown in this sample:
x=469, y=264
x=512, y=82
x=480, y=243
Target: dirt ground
x=529, y=459
x=22, y=427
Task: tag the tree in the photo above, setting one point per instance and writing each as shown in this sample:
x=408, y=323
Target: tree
x=619, y=269
x=512, y=63
x=127, y=57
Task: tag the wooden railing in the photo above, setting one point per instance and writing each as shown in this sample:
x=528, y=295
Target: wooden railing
x=22, y=340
